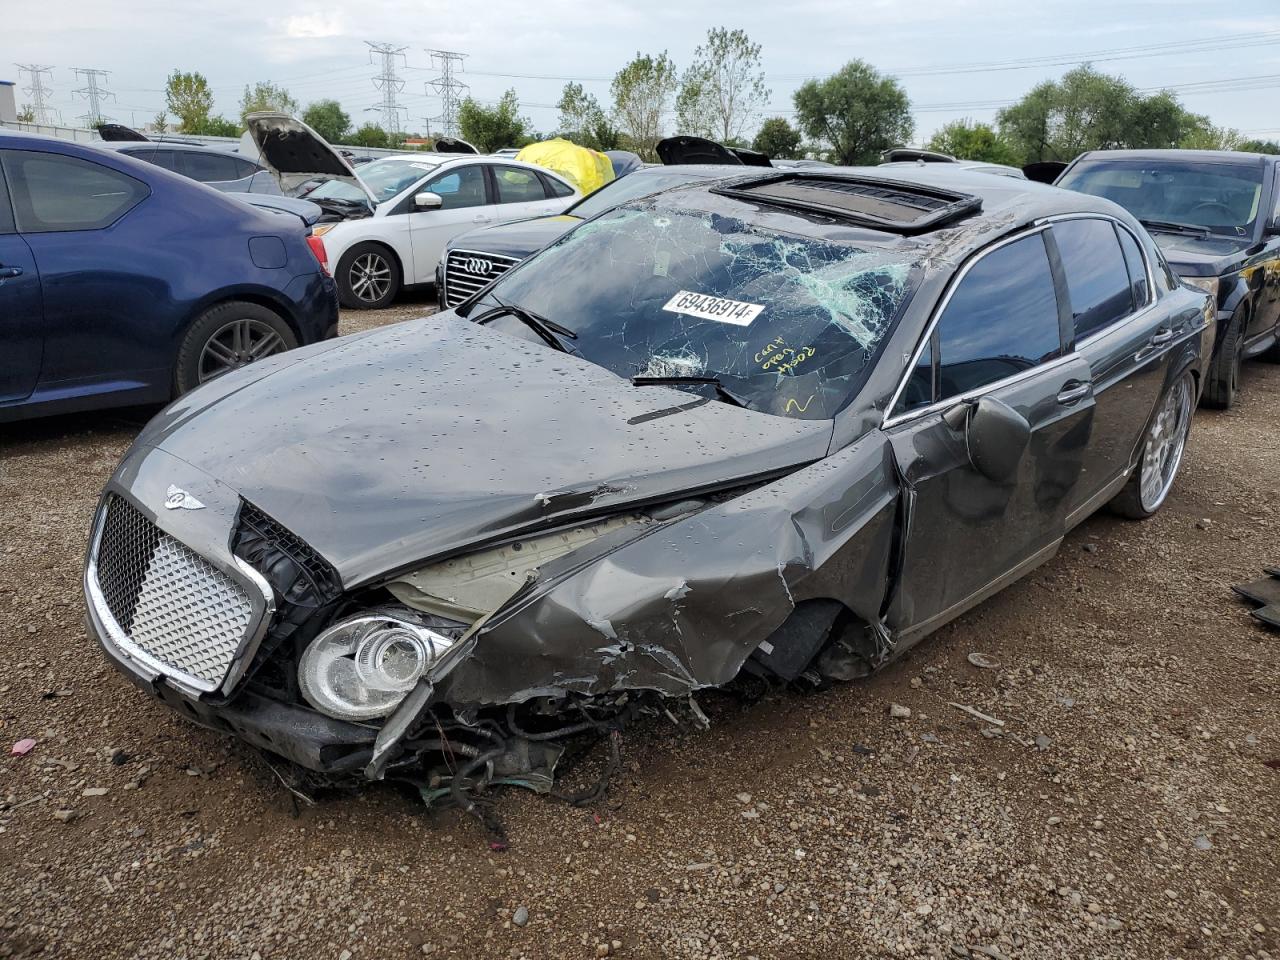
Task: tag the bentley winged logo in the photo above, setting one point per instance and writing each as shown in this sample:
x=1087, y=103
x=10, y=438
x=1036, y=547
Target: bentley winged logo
x=178, y=499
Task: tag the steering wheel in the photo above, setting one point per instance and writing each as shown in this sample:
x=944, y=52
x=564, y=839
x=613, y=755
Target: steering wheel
x=1230, y=216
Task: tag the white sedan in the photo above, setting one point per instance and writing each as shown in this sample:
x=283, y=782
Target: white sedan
x=389, y=224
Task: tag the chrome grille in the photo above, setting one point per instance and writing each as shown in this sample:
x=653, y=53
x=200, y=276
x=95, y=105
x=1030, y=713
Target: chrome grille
x=167, y=605
x=466, y=271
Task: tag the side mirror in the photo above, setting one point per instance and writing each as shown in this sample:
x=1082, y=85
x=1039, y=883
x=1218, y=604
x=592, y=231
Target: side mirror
x=426, y=200
x=996, y=436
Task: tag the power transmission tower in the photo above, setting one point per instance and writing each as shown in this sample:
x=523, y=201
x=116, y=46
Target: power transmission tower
x=389, y=84
x=93, y=93
x=38, y=92
x=449, y=89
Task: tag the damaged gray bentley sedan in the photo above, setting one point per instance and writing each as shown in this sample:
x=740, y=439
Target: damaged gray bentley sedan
x=779, y=427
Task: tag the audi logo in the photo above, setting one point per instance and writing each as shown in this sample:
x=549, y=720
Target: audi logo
x=476, y=265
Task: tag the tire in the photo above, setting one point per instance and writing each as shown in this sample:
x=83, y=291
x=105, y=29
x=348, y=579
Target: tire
x=1163, y=445
x=226, y=337
x=1223, y=381
x=368, y=277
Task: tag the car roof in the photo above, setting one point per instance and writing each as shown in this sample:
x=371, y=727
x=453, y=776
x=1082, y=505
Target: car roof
x=1007, y=203
x=127, y=145
x=1202, y=156
x=444, y=159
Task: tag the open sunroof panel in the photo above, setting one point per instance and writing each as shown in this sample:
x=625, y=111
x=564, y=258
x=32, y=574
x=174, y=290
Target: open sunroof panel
x=884, y=204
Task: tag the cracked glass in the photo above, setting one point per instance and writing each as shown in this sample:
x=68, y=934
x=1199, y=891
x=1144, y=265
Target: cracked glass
x=789, y=324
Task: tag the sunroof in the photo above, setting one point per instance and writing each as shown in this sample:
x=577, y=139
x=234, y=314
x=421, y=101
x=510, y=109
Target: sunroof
x=885, y=204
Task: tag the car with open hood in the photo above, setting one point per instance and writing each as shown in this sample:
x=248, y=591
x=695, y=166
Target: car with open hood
x=471, y=260
x=779, y=426
x=1216, y=217
x=386, y=224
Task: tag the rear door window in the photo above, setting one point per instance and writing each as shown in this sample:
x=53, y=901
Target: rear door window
x=1097, y=277
x=1002, y=319
x=52, y=192
x=518, y=186
x=208, y=167
x=6, y=211
x=556, y=188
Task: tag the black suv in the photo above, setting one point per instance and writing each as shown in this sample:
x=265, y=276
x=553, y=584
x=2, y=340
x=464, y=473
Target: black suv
x=1216, y=217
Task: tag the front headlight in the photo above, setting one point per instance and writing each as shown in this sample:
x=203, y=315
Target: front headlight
x=1208, y=284
x=362, y=668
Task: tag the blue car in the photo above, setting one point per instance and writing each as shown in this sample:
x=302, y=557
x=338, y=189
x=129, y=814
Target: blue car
x=122, y=283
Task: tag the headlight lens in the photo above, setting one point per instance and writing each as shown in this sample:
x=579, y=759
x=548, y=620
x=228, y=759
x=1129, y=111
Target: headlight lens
x=321, y=229
x=1208, y=284
x=362, y=668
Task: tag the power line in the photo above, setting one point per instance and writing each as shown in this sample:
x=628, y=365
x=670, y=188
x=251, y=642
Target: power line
x=449, y=89
x=93, y=93
x=38, y=92
x=390, y=85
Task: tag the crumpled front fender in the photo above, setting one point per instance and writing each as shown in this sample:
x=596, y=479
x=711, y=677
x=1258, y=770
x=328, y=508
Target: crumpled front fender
x=684, y=605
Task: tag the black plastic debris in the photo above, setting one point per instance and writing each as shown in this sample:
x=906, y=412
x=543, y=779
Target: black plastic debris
x=1266, y=593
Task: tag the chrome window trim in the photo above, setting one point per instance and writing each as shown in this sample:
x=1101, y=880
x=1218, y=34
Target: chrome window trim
x=191, y=686
x=890, y=418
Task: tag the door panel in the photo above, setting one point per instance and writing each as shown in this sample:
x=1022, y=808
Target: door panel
x=21, y=316
x=964, y=531
x=466, y=207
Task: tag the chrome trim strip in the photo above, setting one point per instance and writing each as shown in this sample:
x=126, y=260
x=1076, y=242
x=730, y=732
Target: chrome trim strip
x=919, y=412
x=486, y=256
x=193, y=687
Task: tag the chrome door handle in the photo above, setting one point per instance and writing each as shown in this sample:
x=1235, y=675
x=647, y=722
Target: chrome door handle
x=1073, y=391
x=9, y=272
x=481, y=219
x=1161, y=337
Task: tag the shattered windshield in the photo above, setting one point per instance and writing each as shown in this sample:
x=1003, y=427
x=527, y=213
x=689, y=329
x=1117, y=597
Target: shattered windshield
x=788, y=325
x=1217, y=197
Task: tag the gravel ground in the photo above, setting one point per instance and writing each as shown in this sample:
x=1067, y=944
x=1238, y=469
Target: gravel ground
x=1123, y=810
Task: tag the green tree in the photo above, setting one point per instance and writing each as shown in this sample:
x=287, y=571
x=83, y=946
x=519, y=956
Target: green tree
x=265, y=95
x=857, y=112
x=1205, y=136
x=580, y=116
x=492, y=128
x=967, y=140
x=160, y=123
x=1088, y=110
x=777, y=138
x=641, y=91
x=1259, y=146
x=723, y=90
x=370, y=135
x=220, y=127
x=327, y=118
x=188, y=97
x=27, y=114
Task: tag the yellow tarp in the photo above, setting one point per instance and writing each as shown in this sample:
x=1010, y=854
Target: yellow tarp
x=586, y=169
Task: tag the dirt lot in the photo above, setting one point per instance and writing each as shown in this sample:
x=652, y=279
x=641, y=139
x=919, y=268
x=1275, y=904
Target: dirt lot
x=1125, y=811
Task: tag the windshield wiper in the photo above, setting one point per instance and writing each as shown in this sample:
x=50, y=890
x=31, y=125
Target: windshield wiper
x=721, y=390
x=548, y=330
x=1172, y=226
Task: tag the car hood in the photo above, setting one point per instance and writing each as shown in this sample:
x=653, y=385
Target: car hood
x=1201, y=256
x=295, y=153
x=517, y=239
x=420, y=440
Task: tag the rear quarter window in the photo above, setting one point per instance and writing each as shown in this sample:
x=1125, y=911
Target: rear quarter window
x=53, y=192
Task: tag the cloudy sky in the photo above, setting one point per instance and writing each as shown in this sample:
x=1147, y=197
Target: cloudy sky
x=957, y=58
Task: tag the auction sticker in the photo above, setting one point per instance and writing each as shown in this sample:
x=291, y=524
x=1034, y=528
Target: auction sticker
x=714, y=308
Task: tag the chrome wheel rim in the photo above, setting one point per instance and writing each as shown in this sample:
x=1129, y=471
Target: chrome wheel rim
x=235, y=344
x=1166, y=441
x=369, y=277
